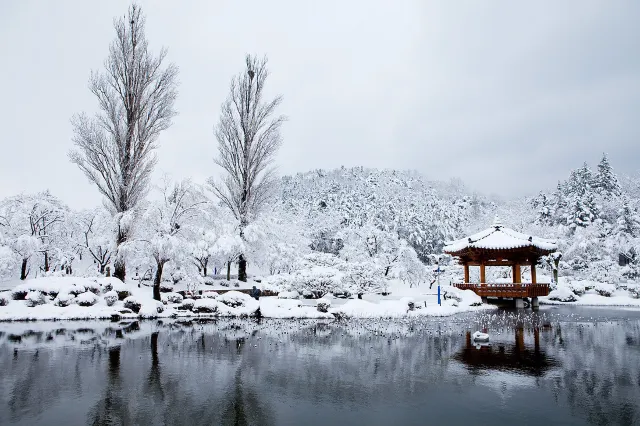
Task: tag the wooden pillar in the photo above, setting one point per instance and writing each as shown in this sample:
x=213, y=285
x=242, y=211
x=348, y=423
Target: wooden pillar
x=516, y=274
x=533, y=272
x=466, y=273
x=483, y=278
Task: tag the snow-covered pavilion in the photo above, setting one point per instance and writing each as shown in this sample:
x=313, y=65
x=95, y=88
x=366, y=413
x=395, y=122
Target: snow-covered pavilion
x=502, y=246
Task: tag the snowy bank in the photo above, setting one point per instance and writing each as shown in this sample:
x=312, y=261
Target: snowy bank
x=592, y=293
x=75, y=298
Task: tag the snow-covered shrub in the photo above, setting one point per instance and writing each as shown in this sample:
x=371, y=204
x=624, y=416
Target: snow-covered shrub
x=317, y=280
x=92, y=286
x=563, y=294
x=605, y=290
x=19, y=293
x=172, y=298
x=151, y=309
x=77, y=289
x=166, y=287
x=323, y=305
x=577, y=287
x=208, y=306
x=341, y=293
x=307, y=294
x=110, y=298
x=35, y=298
x=634, y=291
x=187, y=304
x=209, y=295
x=132, y=303
x=411, y=304
x=4, y=298
x=283, y=282
x=109, y=283
x=234, y=299
x=64, y=299
x=87, y=299
x=209, y=281
x=288, y=295
x=362, y=278
x=451, y=293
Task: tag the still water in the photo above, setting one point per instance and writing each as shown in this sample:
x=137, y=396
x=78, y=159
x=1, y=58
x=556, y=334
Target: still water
x=560, y=366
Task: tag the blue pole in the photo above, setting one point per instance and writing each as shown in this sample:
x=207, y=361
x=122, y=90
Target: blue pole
x=438, y=294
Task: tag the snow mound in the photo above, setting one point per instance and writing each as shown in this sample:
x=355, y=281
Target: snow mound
x=605, y=290
x=35, y=298
x=5, y=297
x=151, y=309
x=323, y=305
x=171, y=298
x=562, y=294
x=133, y=304
x=234, y=303
x=110, y=297
x=64, y=299
x=86, y=299
x=205, y=306
x=271, y=307
x=288, y=295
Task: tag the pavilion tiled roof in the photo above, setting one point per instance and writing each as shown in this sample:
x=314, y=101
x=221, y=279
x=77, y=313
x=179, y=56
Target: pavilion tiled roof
x=499, y=237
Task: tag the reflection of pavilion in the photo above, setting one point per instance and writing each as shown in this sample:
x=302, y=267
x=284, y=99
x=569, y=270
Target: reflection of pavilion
x=507, y=357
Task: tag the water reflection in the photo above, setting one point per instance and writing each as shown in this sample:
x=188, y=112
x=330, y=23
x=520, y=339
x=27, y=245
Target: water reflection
x=304, y=372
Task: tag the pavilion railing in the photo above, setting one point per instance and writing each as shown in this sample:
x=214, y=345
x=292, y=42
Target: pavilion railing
x=506, y=289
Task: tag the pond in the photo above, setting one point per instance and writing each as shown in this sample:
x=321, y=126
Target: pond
x=561, y=366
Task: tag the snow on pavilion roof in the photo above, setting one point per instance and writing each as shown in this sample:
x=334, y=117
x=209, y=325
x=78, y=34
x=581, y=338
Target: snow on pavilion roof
x=499, y=237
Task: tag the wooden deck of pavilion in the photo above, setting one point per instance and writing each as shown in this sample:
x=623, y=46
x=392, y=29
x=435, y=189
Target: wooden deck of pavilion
x=502, y=246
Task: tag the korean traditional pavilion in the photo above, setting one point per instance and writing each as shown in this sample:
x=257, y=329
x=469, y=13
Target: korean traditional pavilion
x=501, y=246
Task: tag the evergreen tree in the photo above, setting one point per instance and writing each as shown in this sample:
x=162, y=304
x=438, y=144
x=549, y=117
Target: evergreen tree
x=628, y=222
x=559, y=203
x=582, y=212
x=544, y=209
x=606, y=181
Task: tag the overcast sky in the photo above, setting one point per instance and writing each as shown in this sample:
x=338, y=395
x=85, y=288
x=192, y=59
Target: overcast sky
x=506, y=95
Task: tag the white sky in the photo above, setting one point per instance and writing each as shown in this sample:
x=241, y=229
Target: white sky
x=506, y=95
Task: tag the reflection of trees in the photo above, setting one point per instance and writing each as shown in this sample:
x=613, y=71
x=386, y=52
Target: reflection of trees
x=112, y=408
x=244, y=406
x=600, y=378
x=154, y=385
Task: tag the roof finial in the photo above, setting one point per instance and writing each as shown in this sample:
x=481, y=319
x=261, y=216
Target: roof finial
x=496, y=222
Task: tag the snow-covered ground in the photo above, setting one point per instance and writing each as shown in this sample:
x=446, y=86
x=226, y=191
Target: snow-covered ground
x=75, y=298
x=591, y=293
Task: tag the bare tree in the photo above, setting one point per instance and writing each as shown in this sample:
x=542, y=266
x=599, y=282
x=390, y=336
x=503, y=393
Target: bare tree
x=116, y=148
x=248, y=136
x=91, y=224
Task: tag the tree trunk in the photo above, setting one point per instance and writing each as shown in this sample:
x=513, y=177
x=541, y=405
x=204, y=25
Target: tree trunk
x=242, y=268
x=156, y=282
x=204, y=271
x=46, y=261
x=102, y=268
x=386, y=271
x=119, y=267
x=228, y=271
x=119, y=270
x=23, y=270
